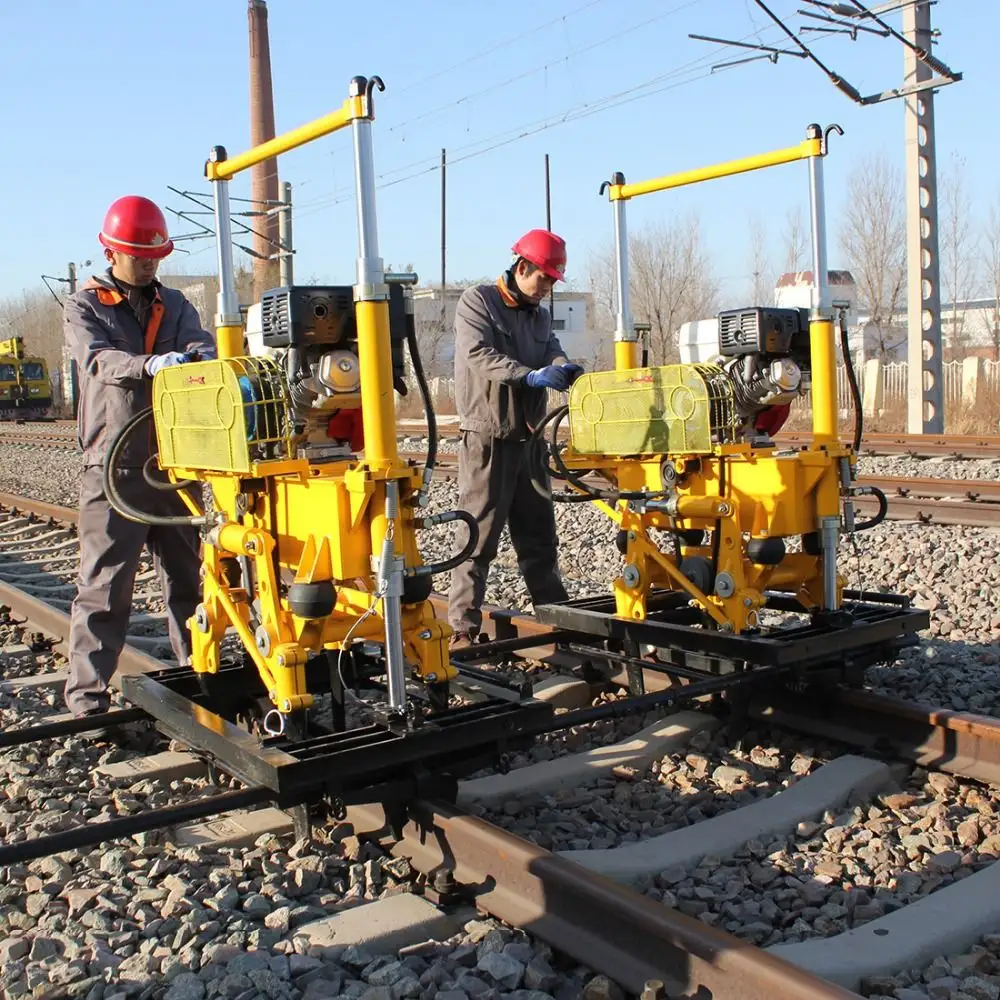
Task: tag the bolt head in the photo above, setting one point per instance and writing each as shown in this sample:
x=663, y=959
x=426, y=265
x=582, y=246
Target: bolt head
x=281, y=660
x=425, y=634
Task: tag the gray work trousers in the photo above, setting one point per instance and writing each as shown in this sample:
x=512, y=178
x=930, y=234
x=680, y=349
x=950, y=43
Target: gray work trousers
x=494, y=486
x=110, y=548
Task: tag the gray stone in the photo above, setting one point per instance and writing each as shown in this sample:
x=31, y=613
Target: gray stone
x=44, y=947
x=247, y=963
x=256, y=906
x=503, y=969
x=186, y=986
x=322, y=989
x=389, y=974
x=980, y=989
x=602, y=988
x=13, y=948
x=539, y=975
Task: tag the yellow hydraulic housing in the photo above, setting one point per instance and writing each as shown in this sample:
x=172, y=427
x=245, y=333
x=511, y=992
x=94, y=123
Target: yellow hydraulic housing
x=672, y=442
x=301, y=557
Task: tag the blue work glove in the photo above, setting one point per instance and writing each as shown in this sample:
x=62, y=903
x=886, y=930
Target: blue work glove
x=549, y=377
x=573, y=372
x=158, y=361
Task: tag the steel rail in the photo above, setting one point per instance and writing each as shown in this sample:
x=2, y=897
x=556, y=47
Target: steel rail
x=604, y=926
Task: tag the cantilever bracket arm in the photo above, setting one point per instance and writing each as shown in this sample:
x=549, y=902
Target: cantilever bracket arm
x=814, y=145
x=359, y=105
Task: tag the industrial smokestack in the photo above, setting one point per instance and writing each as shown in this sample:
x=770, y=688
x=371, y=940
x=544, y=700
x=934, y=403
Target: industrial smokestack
x=264, y=176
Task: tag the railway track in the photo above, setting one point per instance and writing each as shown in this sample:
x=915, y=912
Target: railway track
x=925, y=500
x=643, y=909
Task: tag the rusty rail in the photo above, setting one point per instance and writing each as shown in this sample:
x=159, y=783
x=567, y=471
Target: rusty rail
x=604, y=926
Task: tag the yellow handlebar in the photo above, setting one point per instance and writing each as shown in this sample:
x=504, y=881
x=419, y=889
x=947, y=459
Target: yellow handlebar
x=352, y=109
x=804, y=150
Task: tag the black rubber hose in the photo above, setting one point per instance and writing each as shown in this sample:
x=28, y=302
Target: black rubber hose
x=883, y=507
x=852, y=381
x=446, y=565
x=425, y=396
x=160, y=484
x=537, y=440
x=111, y=487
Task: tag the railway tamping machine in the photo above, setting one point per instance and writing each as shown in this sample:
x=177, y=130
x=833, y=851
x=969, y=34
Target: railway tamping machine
x=729, y=542
x=310, y=543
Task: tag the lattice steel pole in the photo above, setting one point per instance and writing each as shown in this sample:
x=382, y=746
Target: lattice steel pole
x=925, y=389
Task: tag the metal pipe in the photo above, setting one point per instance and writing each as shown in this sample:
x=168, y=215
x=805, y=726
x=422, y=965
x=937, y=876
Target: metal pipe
x=811, y=147
x=391, y=582
x=333, y=122
x=626, y=353
x=817, y=210
x=228, y=323
x=125, y=826
x=370, y=266
x=69, y=727
x=829, y=533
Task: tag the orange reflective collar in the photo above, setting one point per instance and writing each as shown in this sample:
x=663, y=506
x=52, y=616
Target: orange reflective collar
x=508, y=299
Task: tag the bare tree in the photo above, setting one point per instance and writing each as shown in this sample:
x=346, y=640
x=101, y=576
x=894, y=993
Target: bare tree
x=873, y=239
x=601, y=283
x=762, y=279
x=796, y=240
x=959, y=251
x=672, y=282
x=991, y=320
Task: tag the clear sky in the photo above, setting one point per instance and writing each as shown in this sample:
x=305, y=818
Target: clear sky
x=128, y=96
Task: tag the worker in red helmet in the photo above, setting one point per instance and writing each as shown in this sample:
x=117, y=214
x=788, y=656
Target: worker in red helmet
x=122, y=328
x=506, y=357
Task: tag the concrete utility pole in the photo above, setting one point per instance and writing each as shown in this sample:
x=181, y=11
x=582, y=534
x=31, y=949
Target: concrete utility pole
x=285, y=265
x=263, y=176
x=925, y=388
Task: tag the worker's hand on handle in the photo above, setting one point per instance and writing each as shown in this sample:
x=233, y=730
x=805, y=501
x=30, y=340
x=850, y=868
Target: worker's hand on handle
x=549, y=377
x=158, y=361
x=573, y=372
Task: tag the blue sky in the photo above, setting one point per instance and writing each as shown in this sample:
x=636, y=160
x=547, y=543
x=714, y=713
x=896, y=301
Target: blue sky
x=128, y=97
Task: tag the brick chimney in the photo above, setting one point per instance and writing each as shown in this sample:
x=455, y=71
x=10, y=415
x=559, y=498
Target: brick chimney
x=264, y=176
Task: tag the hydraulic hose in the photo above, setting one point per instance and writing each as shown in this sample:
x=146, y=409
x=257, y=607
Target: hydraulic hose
x=537, y=441
x=883, y=507
x=446, y=565
x=115, y=498
x=425, y=396
x=159, y=484
x=852, y=381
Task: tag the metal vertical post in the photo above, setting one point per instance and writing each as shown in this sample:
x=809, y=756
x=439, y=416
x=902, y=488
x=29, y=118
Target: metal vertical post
x=285, y=265
x=74, y=372
x=228, y=323
x=925, y=389
x=626, y=337
x=444, y=244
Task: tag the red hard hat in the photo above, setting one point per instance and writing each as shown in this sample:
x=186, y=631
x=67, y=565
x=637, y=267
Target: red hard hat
x=544, y=250
x=136, y=226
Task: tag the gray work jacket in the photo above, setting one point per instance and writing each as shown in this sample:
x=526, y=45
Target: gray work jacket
x=110, y=349
x=498, y=342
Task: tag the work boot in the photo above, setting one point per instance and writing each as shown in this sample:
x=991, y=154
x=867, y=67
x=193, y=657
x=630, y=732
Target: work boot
x=461, y=640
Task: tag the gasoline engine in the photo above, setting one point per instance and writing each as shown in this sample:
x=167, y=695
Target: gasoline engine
x=718, y=526
x=309, y=556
